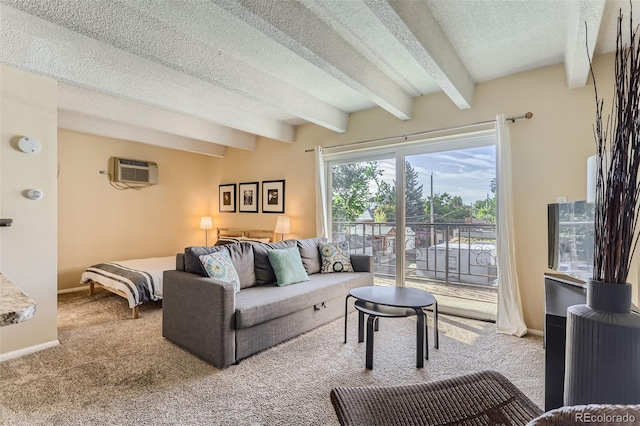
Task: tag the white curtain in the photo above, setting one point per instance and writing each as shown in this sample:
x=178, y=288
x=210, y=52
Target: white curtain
x=510, y=319
x=322, y=226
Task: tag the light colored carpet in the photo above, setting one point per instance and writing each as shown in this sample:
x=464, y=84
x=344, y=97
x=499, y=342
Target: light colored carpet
x=112, y=370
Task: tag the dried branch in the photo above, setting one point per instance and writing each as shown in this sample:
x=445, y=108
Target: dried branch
x=618, y=161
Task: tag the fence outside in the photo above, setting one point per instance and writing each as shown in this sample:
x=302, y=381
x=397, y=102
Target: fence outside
x=453, y=253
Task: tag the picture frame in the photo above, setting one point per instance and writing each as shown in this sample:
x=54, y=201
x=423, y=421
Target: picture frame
x=273, y=196
x=248, y=197
x=227, y=195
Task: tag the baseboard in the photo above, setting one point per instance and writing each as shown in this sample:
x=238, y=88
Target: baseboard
x=463, y=313
x=29, y=350
x=535, y=332
x=74, y=289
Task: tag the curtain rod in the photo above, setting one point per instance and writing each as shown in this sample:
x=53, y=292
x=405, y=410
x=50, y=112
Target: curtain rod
x=513, y=119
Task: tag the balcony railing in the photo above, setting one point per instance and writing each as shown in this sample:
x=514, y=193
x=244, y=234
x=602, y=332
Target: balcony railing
x=454, y=253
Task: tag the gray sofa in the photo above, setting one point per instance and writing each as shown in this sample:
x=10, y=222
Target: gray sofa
x=206, y=317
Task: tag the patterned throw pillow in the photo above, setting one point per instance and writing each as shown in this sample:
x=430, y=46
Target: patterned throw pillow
x=335, y=257
x=287, y=265
x=219, y=266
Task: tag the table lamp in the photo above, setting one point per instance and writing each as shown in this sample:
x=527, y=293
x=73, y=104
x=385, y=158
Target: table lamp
x=206, y=223
x=283, y=226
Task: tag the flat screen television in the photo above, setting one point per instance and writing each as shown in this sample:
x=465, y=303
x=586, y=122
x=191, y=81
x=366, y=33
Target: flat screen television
x=570, y=238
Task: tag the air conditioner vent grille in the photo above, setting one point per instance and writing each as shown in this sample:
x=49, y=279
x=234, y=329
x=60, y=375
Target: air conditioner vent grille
x=134, y=171
x=135, y=175
x=134, y=162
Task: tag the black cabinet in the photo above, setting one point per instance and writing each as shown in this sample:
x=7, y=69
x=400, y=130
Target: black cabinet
x=560, y=292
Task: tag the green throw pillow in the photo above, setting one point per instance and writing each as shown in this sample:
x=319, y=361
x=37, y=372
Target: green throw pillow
x=287, y=265
x=219, y=266
x=335, y=257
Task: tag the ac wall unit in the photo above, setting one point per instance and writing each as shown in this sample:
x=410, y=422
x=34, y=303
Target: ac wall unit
x=134, y=171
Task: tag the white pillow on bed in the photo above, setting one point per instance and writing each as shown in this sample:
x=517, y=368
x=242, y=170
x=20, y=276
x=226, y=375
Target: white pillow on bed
x=261, y=240
x=219, y=266
x=230, y=240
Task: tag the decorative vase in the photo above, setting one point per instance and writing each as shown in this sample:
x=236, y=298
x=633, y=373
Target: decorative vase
x=603, y=348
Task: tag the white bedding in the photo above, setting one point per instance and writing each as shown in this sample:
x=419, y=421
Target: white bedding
x=139, y=279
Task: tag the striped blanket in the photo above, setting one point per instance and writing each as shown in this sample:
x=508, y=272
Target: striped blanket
x=139, y=279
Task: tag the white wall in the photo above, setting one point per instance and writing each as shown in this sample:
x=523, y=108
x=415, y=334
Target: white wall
x=28, y=249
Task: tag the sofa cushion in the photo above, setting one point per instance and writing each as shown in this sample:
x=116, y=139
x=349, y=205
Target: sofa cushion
x=241, y=255
x=219, y=266
x=262, y=303
x=263, y=271
x=335, y=257
x=310, y=254
x=287, y=266
x=192, y=255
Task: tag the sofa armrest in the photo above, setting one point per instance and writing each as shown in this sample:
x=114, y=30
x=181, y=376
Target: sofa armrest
x=362, y=262
x=180, y=266
x=198, y=314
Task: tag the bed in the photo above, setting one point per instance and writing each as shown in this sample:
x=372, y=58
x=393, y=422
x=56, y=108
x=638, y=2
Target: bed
x=140, y=280
x=229, y=235
x=137, y=280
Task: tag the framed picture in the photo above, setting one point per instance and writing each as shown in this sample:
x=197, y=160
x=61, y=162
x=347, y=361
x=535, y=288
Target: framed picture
x=248, y=197
x=273, y=196
x=228, y=198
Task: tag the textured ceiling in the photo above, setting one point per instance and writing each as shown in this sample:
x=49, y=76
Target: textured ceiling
x=205, y=75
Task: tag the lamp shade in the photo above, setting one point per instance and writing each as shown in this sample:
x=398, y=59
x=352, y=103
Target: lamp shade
x=206, y=222
x=283, y=225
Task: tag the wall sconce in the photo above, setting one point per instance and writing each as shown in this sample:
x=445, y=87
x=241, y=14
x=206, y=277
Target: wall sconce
x=206, y=223
x=283, y=226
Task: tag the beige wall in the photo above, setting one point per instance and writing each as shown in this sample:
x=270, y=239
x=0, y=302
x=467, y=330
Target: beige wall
x=28, y=248
x=99, y=223
x=273, y=161
x=549, y=154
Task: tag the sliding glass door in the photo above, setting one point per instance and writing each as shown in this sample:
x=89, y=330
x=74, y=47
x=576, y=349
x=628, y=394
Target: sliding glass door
x=451, y=230
x=426, y=213
x=362, y=193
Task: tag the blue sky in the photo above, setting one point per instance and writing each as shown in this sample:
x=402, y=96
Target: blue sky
x=466, y=172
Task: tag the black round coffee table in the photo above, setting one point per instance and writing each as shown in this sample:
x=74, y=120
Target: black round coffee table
x=392, y=302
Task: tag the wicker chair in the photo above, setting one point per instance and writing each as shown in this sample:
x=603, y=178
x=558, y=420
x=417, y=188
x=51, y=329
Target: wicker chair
x=485, y=398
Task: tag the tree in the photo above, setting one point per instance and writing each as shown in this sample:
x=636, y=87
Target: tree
x=385, y=198
x=350, y=191
x=486, y=209
x=385, y=213
x=414, y=202
x=447, y=208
